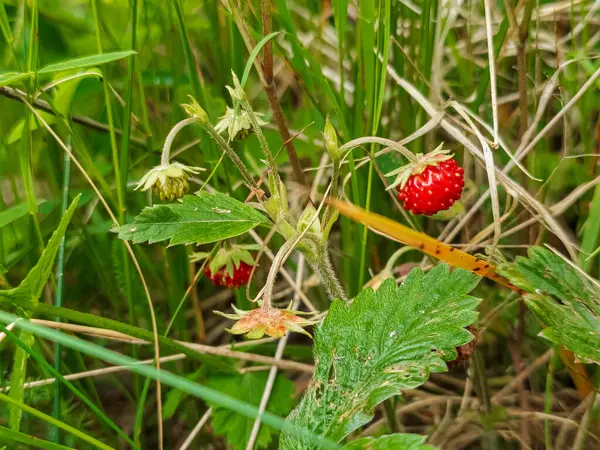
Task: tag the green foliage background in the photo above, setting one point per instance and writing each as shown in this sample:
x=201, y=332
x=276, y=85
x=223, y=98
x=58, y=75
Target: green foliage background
x=124, y=68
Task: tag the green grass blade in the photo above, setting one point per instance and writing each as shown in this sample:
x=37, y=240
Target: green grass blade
x=124, y=160
x=6, y=79
x=17, y=380
x=60, y=265
x=591, y=233
x=340, y=16
x=26, y=295
x=52, y=421
x=8, y=435
x=9, y=215
x=109, y=111
x=5, y=25
x=383, y=44
x=86, y=61
x=190, y=61
x=254, y=54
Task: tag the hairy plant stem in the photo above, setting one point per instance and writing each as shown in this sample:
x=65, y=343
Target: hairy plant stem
x=166, y=151
x=320, y=262
x=280, y=258
x=226, y=148
x=263, y=141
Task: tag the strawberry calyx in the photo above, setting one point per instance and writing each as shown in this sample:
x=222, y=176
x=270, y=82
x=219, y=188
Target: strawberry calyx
x=268, y=320
x=421, y=162
x=230, y=257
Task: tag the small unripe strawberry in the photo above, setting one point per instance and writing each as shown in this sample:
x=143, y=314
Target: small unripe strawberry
x=169, y=180
x=429, y=184
x=172, y=189
x=239, y=278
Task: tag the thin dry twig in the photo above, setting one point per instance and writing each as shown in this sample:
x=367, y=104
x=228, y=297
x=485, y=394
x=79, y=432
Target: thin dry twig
x=18, y=95
x=522, y=376
x=96, y=372
x=188, y=441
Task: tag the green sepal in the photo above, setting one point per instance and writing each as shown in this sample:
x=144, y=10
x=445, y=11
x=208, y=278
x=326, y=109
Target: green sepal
x=327, y=228
x=307, y=217
x=194, y=110
x=230, y=257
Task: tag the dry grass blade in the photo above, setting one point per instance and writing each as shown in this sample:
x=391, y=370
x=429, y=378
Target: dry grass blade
x=510, y=185
x=188, y=441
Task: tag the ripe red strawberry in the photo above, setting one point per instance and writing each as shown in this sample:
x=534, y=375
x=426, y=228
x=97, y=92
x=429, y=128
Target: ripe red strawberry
x=433, y=190
x=430, y=184
x=240, y=277
x=231, y=266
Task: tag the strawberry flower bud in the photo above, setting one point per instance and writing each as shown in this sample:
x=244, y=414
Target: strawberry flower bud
x=331, y=141
x=237, y=91
x=195, y=111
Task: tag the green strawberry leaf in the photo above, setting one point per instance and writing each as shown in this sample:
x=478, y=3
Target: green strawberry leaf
x=248, y=387
x=562, y=298
x=199, y=219
x=386, y=341
x=398, y=441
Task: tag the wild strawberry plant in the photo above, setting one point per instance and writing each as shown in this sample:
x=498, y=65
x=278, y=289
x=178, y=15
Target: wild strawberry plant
x=247, y=188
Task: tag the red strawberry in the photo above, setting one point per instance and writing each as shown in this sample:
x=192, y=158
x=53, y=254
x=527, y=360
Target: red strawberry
x=430, y=184
x=231, y=266
x=433, y=190
x=241, y=275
